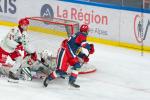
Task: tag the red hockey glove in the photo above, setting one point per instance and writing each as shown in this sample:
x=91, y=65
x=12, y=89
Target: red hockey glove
x=91, y=49
x=34, y=56
x=19, y=47
x=64, y=43
x=85, y=58
x=32, y=59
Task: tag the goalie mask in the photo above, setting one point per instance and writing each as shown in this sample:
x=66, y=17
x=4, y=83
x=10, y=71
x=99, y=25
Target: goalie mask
x=46, y=54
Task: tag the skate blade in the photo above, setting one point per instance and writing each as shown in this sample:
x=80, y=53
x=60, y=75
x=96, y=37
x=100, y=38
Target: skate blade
x=70, y=87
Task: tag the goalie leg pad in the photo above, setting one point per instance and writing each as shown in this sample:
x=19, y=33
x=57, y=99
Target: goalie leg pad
x=27, y=73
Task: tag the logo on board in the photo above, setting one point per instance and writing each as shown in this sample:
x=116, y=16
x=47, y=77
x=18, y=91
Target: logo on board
x=141, y=28
x=47, y=11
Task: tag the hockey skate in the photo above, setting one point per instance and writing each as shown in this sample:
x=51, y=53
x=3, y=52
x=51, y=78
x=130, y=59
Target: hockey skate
x=72, y=83
x=12, y=76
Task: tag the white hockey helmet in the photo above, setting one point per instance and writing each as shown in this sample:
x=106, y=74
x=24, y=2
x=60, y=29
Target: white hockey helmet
x=46, y=54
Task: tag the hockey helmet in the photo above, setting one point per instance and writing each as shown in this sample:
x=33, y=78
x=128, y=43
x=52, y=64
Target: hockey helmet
x=24, y=22
x=84, y=28
x=46, y=54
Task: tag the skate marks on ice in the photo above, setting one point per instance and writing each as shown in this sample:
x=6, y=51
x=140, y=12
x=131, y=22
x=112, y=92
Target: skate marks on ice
x=4, y=81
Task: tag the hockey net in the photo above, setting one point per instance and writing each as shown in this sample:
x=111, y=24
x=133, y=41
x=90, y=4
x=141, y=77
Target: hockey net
x=59, y=27
x=54, y=26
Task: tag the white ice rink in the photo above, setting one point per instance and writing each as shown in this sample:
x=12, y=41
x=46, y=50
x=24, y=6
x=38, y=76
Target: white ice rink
x=122, y=74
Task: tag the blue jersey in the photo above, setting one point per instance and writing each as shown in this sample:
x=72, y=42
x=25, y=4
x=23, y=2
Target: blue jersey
x=76, y=41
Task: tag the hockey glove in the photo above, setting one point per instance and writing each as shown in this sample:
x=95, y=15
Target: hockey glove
x=34, y=56
x=91, y=49
x=19, y=47
x=86, y=59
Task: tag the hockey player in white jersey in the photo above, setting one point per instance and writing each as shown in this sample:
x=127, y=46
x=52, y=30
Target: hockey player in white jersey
x=15, y=46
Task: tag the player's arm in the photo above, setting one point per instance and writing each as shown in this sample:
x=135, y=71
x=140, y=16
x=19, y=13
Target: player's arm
x=83, y=44
x=81, y=41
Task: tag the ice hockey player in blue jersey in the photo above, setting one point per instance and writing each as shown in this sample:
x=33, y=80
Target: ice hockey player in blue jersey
x=68, y=55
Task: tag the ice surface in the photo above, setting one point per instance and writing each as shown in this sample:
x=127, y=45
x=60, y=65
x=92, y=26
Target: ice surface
x=122, y=74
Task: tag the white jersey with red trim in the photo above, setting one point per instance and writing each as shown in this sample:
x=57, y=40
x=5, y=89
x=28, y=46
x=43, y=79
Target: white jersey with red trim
x=12, y=39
